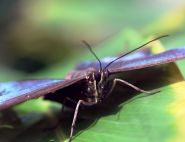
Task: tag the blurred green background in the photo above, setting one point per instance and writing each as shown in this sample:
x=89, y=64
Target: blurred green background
x=40, y=34
x=42, y=39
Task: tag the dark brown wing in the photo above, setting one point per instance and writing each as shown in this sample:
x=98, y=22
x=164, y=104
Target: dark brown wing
x=89, y=64
x=148, y=61
x=15, y=92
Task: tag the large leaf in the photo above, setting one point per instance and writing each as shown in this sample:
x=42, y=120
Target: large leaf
x=158, y=117
x=148, y=118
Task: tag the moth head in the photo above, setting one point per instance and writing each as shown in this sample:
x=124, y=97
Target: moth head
x=101, y=83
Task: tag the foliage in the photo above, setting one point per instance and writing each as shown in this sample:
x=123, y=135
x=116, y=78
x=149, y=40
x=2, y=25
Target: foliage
x=158, y=117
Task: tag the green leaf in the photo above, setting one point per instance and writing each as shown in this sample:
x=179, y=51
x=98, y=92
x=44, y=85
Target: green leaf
x=158, y=117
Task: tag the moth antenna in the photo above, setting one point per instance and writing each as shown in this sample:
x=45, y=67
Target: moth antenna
x=90, y=49
x=134, y=50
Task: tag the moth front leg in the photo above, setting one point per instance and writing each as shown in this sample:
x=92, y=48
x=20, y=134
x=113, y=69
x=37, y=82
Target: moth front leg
x=130, y=85
x=76, y=113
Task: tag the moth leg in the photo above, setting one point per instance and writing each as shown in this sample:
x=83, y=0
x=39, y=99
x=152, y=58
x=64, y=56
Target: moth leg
x=76, y=113
x=130, y=85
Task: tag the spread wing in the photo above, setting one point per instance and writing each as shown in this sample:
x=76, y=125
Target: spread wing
x=14, y=92
x=89, y=64
x=148, y=61
x=137, y=60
